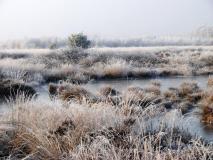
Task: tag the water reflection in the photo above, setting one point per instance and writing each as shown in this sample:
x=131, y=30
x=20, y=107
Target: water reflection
x=191, y=122
x=165, y=82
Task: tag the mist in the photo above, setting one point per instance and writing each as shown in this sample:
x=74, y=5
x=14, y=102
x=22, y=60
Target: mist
x=106, y=18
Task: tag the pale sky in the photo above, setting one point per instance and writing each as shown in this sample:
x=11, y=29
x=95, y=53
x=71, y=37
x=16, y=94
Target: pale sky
x=103, y=18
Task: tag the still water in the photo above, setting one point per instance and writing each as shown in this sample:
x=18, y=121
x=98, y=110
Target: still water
x=190, y=122
x=122, y=84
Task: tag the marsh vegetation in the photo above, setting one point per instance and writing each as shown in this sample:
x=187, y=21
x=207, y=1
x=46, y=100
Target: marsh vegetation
x=80, y=66
x=78, y=121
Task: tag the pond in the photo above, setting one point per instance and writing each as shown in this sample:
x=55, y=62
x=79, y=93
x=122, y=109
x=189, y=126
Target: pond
x=190, y=122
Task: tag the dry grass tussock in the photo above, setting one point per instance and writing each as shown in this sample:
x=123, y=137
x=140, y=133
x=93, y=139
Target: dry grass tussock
x=79, y=131
x=69, y=92
x=108, y=91
x=210, y=82
x=186, y=97
x=207, y=104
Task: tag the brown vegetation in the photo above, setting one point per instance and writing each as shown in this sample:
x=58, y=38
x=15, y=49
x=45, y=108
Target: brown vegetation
x=68, y=92
x=207, y=106
x=187, y=88
x=112, y=124
x=108, y=91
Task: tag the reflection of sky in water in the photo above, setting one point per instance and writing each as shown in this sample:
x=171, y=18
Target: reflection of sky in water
x=165, y=83
x=3, y=108
x=191, y=122
x=195, y=127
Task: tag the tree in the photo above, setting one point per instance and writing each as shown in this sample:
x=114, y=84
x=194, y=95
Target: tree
x=79, y=40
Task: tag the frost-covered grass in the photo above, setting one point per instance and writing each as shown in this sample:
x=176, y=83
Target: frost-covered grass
x=100, y=131
x=105, y=63
x=137, y=123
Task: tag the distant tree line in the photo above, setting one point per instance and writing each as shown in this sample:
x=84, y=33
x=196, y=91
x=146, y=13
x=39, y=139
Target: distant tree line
x=153, y=42
x=202, y=36
x=51, y=43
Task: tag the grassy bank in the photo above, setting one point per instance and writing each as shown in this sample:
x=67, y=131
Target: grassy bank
x=138, y=123
x=104, y=63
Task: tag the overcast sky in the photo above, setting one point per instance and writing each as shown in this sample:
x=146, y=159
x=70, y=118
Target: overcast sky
x=104, y=18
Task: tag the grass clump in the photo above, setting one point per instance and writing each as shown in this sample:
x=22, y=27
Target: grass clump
x=108, y=91
x=69, y=92
x=207, y=107
x=210, y=81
